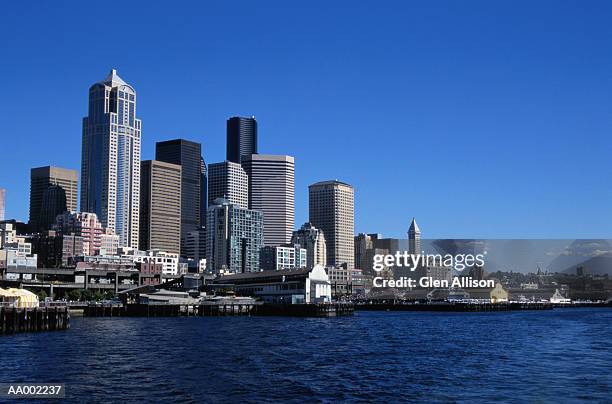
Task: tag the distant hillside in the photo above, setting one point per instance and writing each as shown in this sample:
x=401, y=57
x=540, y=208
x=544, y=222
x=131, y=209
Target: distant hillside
x=594, y=255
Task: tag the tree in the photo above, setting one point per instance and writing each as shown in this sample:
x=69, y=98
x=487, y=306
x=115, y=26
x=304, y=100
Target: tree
x=74, y=295
x=87, y=295
x=42, y=295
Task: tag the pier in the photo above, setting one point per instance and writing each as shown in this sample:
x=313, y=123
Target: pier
x=210, y=309
x=452, y=306
x=14, y=320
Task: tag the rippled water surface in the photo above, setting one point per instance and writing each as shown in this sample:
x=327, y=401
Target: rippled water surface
x=563, y=355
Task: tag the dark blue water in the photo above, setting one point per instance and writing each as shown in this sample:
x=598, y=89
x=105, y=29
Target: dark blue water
x=561, y=355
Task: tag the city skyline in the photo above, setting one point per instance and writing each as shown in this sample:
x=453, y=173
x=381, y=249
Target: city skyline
x=476, y=139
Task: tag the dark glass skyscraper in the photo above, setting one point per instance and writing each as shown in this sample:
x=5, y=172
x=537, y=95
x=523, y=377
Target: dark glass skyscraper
x=53, y=190
x=188, y=155
x=241, y=138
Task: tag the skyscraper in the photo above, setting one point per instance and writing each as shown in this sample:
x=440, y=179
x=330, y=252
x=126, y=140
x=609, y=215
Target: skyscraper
x=229, y=181
x=110, y=162
x=313, y=240
x=271, y=191
x=241, y=138
x=203, y=191
x=53, y=190
x=234, y=238
x=160, y=206
x=2, y=202
x=332, y=209
x=414, y=238
x=188, y=155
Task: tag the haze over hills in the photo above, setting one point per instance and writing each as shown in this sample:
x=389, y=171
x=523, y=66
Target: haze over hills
x=524, y=255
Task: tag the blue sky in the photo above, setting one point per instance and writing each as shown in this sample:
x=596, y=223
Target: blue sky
x=480, y=118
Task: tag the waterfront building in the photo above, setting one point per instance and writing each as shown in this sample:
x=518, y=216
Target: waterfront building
x=332, y=209
x=414, y=238
x=495, y=294
x=2, y=202
x=170, y=263
x=229, y=181
x=234, y=238
x=96, y=239
x=282, y=257
x=294, y=286
x=313, y=240
x=110, y=160
x=188, y=155
x=241, y=138
x=150, y=273
x=11, y=259
x=160, y=206
x=346, y=281
x=53, y=190
x=271, y=191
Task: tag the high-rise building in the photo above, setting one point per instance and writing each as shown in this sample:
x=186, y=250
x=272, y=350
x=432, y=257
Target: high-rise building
x=203, y=192
x=188, y=155
x=414, y=238
x=313, y=240
x=229, y=181
x=110, y=160
x=271, y=191
x=53, y=190
x=364, y=247
x=160, y=206
x=332, y=209
x=234, y=238
x=2, y=202
x=96, y=239
x=241, y=138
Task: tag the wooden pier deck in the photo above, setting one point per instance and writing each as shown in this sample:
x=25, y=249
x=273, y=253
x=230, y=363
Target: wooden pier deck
x=14, y=320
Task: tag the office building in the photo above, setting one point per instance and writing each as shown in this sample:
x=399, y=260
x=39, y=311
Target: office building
x=110, y=160
x=170, y=263
x=234, y=237
x=331, y=209
x=229, y=181
x=203, y=192
x=194, y=245
x=346, y=282
x=271, y=191
x=160, y=206
x=313, y=240
x=53, y=190
x=241, y=138
x=96, y=239
x=414, y=238
x=2, y=202
x=282, y=257
x=188, y=155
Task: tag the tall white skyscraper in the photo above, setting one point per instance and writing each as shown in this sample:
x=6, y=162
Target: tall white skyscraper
x=229, y=181
x=271, y=191
x=110, y=162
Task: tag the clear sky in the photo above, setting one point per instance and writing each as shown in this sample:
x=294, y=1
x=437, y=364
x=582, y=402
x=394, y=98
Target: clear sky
x=480, y=118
